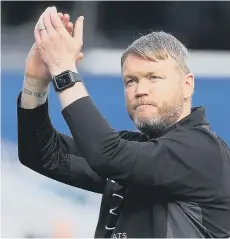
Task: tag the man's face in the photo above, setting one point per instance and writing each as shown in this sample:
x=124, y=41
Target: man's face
x=154, y=92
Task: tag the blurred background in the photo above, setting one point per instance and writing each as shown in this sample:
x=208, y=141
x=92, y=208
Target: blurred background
x=31, y=204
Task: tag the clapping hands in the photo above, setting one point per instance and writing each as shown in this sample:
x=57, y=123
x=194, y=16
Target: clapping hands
x=58, y=49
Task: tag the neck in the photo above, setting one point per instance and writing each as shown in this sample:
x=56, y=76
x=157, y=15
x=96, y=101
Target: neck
x=186, y=111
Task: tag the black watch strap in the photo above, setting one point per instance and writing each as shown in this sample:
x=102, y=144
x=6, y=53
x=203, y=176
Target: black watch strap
x=65, y=80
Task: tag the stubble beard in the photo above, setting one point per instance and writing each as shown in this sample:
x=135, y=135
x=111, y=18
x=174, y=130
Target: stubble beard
x=166, y=116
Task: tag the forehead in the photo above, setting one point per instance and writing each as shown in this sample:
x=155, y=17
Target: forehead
x=137, y=65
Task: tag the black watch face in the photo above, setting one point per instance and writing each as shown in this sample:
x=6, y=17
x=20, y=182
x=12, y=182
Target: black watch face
x=63, y=81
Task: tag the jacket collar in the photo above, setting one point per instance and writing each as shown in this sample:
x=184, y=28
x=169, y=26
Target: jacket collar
x=197, y=117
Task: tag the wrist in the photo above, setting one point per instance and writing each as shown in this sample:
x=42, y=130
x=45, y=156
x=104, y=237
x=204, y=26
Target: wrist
x=58, y=71
x=72, y=94
x=36, y=83
x=33, y=93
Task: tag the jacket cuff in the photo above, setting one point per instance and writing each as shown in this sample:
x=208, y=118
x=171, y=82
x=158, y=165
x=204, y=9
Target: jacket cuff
x=35, y=117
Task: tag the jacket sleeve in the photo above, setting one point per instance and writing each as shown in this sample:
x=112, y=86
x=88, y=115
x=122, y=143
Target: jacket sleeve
x=184, y=161
x=50, y=153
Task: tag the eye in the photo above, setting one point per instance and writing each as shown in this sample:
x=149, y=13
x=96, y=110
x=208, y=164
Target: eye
x=155, y=77
x=130, y=82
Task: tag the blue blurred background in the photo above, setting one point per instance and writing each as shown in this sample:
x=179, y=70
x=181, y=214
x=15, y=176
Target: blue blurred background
x=107, y=94
x=34, y=206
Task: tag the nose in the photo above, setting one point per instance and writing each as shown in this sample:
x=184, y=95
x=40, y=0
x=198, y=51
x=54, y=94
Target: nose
x=142, y=89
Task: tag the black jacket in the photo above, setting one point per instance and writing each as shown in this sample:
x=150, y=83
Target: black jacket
x=176, y=184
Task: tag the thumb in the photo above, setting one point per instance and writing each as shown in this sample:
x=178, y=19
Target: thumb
x=81, y=56
x=78, y=60
x=78, y=30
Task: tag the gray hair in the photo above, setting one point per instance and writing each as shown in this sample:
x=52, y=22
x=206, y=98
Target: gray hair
x=158, y=46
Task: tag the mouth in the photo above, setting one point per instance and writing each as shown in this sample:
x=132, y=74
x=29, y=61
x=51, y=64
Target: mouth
x=144, y=105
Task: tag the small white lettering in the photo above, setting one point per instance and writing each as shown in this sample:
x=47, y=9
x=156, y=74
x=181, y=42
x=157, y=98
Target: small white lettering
x=119, y=235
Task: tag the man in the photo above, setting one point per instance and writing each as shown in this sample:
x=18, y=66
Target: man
x=170, y=180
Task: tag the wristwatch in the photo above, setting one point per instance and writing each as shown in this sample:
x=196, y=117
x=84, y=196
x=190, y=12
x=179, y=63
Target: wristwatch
x=65, y=80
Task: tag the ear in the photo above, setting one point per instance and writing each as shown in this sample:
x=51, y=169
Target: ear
x=188, y=85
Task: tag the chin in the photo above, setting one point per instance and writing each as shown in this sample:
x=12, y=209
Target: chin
x=140, y=120
x=145, y=114
x=149, y=126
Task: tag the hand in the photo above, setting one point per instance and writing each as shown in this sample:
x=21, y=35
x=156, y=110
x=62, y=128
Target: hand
x=34, y=67
x=59, y=51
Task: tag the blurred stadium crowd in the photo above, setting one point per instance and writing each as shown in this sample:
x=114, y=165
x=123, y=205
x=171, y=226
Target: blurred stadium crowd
x=199, y=24
x=34, y=206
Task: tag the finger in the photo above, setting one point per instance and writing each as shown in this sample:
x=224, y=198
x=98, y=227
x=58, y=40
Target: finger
x=60, y=15
x=37, y=35
x=78, y=29
x=69, y=28
x=55, y=20
x=65, y=19
x=46, y=19
x=41, y=27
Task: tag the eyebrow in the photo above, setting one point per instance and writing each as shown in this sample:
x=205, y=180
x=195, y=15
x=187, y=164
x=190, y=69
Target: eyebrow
x=146, y=74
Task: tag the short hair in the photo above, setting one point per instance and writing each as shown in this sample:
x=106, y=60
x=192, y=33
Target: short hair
x=158, y=46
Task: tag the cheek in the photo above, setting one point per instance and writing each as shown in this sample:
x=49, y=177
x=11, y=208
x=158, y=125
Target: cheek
x=129, y=97
x=168, y=91
x=164, y=94
x=160, y=92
